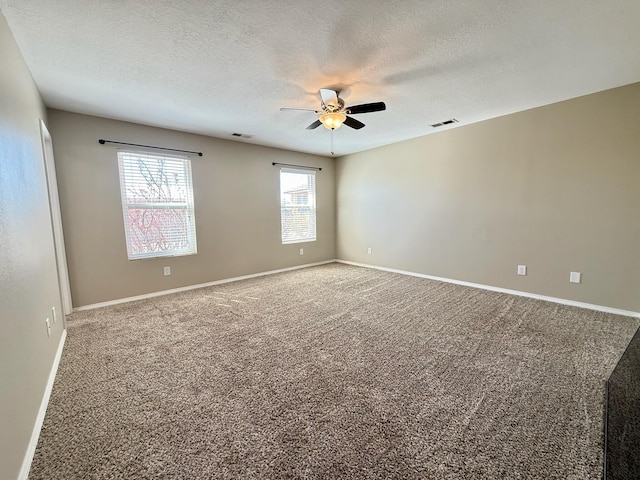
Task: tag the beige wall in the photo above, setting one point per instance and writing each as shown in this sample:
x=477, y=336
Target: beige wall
x=236, y=192
x=555, y=188
x=28, y=278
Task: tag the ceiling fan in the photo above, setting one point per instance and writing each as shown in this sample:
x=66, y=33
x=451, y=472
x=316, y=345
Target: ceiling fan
x=333, y=113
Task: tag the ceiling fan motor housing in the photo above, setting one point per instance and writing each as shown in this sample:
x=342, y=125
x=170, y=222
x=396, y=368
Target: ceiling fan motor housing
x=329, y=108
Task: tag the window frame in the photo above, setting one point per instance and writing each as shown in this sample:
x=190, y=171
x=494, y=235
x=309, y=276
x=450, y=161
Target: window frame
x=311, y=203
x=188, y=205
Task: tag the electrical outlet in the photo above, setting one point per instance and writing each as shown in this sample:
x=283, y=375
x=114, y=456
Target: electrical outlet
x=167, y=271
x=522, y=269
x=54, y=315
x=369, y=251
x=302, y=251
x=575, y=277
x=48, y=327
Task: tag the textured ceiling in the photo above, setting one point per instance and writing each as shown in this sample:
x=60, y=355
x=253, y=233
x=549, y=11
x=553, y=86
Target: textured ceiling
x=217, y=67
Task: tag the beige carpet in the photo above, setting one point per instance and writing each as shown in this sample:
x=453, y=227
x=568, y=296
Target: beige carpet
x=332, y=372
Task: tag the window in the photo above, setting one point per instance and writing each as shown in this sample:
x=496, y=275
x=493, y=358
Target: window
x=298, y=205
x=157, y=204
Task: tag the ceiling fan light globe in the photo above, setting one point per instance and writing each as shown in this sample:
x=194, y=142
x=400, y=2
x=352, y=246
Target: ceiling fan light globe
x=332, y=120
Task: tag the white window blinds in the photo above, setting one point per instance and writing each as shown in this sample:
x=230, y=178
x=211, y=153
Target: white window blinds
x=298, y=205
x=157, y=204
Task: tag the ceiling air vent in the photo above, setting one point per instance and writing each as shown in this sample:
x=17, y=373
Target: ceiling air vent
x=243, y=135
x=446, y=122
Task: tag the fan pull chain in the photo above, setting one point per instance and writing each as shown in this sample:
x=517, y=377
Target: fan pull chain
x=332, y=142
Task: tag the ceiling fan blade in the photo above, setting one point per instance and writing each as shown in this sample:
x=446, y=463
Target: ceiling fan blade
x=366, y=108
x=315, y=124
x=301, y=109
x=353, y=123
x=329, y=97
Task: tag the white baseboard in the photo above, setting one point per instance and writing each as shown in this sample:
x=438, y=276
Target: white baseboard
x=193, y=287
x=31, y=450
x=590, y=306
x=519, y=293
